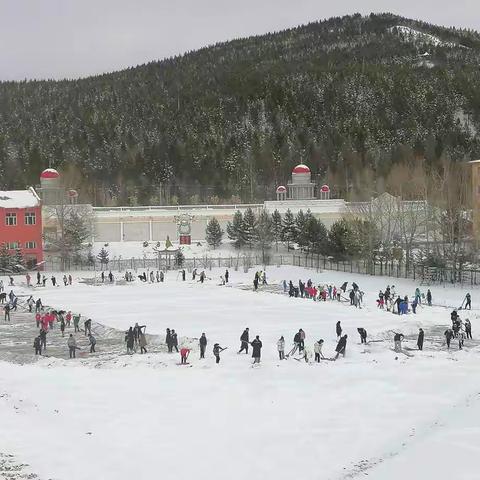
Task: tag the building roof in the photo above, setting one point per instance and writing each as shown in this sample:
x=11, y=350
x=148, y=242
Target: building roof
x=49, y=173
x=301, y=168
x=19, y=198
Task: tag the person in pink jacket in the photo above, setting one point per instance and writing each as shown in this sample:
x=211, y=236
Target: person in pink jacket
x=68, y=318
x=45, y=322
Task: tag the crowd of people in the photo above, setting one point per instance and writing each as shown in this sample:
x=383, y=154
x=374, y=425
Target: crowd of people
x=48, y=319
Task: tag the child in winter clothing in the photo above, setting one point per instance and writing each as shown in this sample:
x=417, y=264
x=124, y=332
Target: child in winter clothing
x=93, y=341
x=281, y=348
x=216, y=351
x=184, y=352
x=468, y=328
x=363, y=335
x=37, y=345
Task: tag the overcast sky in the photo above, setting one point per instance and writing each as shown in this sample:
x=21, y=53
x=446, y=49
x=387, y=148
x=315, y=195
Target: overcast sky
x=77, y=38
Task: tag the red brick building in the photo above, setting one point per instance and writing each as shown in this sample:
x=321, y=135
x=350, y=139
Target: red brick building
x=21, y=224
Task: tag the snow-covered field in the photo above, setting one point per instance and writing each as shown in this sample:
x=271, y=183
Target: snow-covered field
x=374, y=412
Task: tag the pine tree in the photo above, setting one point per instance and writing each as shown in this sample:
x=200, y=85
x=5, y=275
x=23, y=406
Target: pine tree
x=213, y=233
x=249, y=226
x=277, y=227
x=6, y=260
x=234, y=229
x=339, y=239
x=316, y=236
x=179, y=258
x=264, y=232
x=103, y=256
x=300, y=224
x=90, y=258
x=18, y=260
x=289, y=231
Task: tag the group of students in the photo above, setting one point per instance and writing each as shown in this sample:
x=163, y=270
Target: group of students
x=322, y=292
x=304, y=353
x=460, y=330
x=159, y=276
x=42, y=280
x=259, y=278
x=46, y=319
x=135, y=336
x=10, y=303
x=298, y=346
x=400, y=305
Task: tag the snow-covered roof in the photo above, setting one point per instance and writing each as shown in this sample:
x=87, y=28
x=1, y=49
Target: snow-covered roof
x=19, y=198
x=49, y=173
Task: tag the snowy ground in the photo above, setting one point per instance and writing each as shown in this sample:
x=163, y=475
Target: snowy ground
x=145, y=417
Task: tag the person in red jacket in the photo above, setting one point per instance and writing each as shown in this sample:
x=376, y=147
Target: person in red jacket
x=184, y=352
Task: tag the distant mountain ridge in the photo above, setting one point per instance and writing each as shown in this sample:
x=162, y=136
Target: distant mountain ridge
x=350, y=96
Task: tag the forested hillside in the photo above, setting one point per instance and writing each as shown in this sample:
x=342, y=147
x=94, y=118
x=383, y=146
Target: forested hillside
x=349, y=96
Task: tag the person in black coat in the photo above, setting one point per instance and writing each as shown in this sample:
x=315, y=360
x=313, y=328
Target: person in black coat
x=203, y=345
x=421, y=335
x=37, y=345
x=301, y=286
x=87, y=324
x=448, y=336
x=256, y=349
x=217, y=349
x=297, y=343
x=338, y=329
x=363, y=335
x=397, y=303
x=468, y=301
x=129, y=339
x=226, y=276
x=341, y=346
x=136, y=331
x=183, y=275
x=43, y=338
x=468, y=328
x=352, y=297
x=344, y=287
x=429, y=298
x=244, y=339
x=168, y=340
x=174, y=338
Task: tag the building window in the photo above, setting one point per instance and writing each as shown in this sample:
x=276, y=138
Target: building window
x=30, y=245
x=11, y=219
x=13, y=245
x=30, y=218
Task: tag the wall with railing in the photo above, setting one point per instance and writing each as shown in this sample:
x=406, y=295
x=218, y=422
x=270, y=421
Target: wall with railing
x=244, y=261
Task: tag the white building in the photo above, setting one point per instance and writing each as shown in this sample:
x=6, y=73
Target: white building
x=155, y=223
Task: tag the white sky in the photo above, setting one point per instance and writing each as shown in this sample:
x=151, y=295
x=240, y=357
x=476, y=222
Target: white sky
x=76, y=38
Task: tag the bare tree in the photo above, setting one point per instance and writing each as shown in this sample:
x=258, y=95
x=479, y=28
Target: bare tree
x=67, y=229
